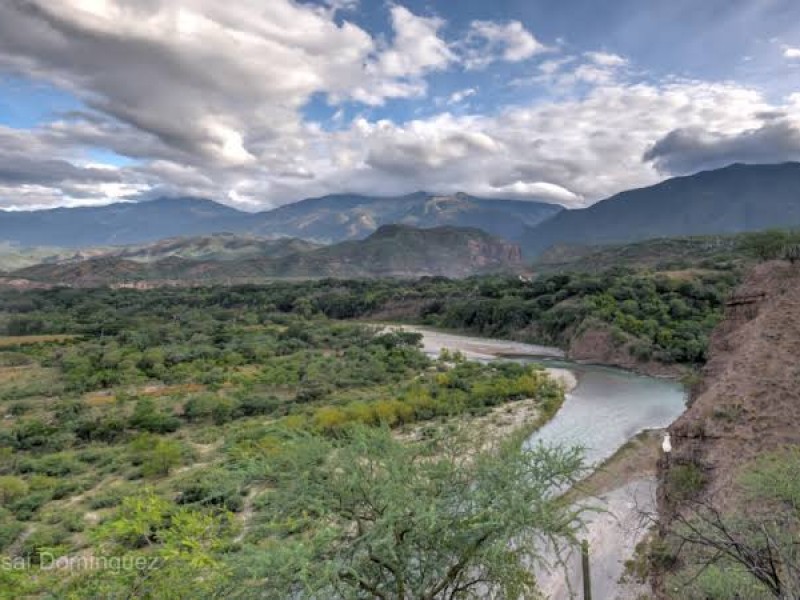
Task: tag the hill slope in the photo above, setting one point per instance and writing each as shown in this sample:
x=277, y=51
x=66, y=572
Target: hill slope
x=328, y=219
x=344, y=217
x=730, y=200
x=117, y=224
x=392, y=251
x=745, y=407
x=218, y=246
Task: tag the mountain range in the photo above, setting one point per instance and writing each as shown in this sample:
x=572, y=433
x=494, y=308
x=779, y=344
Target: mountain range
x=327, y=219
x=733, y=199
x=391, y=251
x=416, y=234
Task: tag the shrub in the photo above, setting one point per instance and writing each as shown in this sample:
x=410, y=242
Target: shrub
x=11, y=488
x=14, y=359
x=52, y=465
x=26, y=506
x=10, y=529
x=33, y=434
x=251, y=406
x=213, y=487
x=107, y=429
x=110, y=497
x=147, y=418
x=44, y=539
x=156, y=456
x=685, y=481
x=329, y=419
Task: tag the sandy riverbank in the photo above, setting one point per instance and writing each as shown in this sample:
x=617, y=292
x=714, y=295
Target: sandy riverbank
x=487, y=349
x=612, y=535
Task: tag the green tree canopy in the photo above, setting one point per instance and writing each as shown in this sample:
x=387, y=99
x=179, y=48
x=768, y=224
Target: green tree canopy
x=371, y=517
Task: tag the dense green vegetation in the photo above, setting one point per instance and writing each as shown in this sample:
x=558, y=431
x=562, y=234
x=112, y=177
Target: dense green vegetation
x=177, y=423
x=168, y=425
x=662, y=315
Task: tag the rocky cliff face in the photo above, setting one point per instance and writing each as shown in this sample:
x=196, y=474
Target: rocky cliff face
x=748, y=401
x=489, y=253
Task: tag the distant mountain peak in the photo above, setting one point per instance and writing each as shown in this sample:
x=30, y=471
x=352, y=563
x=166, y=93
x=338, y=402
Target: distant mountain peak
x=738, y=197
x=325, y=219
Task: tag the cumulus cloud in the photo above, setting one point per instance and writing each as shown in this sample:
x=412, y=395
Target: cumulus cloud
x=489, y=41
x=206, y=99
x=571, y=152
x=791, y=53
x=417, y=46
x=38, y=171
x=691, y=149
x=211, y=79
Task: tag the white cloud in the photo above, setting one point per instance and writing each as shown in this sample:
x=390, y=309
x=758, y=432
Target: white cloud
x=214, y=80
x=417, y=47
x=791, y=53
x=459, y=96
x=565, y=73
x=606, y=59
x=209, y=104
x=572, y=152
x=490, y=41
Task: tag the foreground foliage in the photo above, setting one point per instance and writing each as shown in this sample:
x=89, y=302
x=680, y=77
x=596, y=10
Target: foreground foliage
x=438, y=520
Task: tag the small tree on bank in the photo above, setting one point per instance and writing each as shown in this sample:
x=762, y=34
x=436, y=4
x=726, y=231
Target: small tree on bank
x=371, y=517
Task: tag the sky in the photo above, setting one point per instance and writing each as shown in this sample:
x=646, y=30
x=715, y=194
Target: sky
x=260, y=103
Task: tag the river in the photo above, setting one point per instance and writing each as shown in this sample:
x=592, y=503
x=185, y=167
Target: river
x=605, y=408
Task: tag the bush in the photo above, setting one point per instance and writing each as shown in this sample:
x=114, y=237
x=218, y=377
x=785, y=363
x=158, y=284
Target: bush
x=14, y=359
x=52, y=465
x=147, y=418
x=44, y=539
x=107, y=429
x=69, y=521
x=10, y=529
x=685, y=481
x=111, y=497
x=34, y=434
x=251, y=406
x=11, y=489
x=219, y=409
x=214, y=487
x=156, y=456
x=26, y=506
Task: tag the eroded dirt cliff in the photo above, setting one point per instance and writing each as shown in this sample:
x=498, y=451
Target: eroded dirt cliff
x=748, y=400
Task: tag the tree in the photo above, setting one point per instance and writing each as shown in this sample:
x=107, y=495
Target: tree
x=157, y=456
x=753, y=544
x=370, y=517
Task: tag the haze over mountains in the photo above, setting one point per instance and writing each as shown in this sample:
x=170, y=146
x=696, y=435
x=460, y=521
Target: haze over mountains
x=326, y=219
x=377, y=236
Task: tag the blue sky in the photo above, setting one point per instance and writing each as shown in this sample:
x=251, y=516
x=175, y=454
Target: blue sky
x=259, y=104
